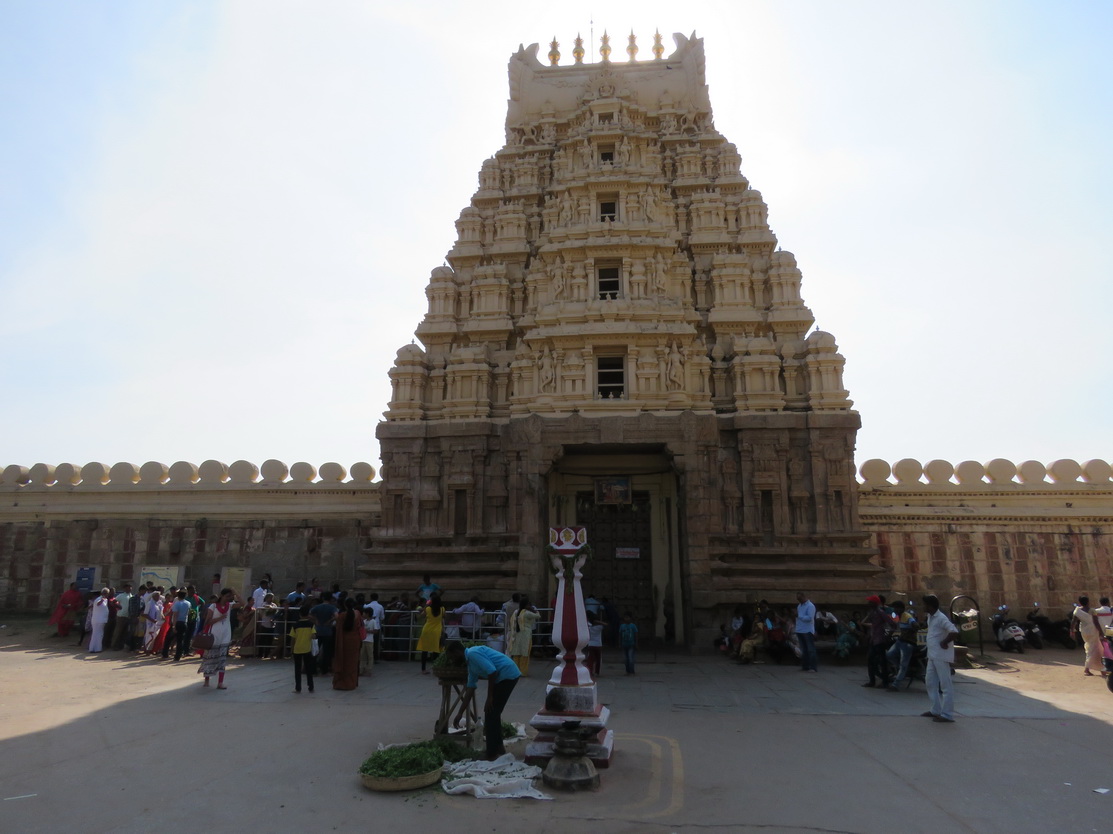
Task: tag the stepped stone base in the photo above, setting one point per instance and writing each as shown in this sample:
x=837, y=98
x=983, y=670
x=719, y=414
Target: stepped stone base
x=601, y=747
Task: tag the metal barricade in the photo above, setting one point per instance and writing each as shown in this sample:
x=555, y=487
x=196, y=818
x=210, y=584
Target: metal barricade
x=400, y=630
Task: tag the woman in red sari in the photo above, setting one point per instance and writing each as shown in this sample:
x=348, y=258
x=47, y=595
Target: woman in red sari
x=167, y=621
x=348, y=628
x=70, y=603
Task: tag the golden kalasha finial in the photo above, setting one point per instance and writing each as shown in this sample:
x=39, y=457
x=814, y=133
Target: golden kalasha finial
x=554, y=52
x=605, y=49
x=632, y=47
x=578, y=49
x=658, y=47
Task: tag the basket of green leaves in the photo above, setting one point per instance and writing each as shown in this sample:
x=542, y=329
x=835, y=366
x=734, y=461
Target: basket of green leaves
x=408, y=767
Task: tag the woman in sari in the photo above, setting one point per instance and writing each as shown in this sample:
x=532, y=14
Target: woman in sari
x=218, y=623
x=755, y=640
x=429, y=643
x=521, y=634
x=70, y=603
x=152, y=619
x=349, y=633
x=847, y=639
x=246, y=631
x=167, y=621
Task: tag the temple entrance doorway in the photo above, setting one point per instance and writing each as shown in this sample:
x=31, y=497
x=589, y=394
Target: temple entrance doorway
x=626, y=497
x=621, y=565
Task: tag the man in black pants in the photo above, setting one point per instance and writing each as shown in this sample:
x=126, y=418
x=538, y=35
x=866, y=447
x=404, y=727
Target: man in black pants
x=880, y=625
x=179, y=624
x=502, y=676
x=322, y=615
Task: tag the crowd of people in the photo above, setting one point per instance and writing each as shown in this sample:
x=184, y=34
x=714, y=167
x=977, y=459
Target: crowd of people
x=326, y=632
x=890, y=634
x=339, y=633
x=894, y=637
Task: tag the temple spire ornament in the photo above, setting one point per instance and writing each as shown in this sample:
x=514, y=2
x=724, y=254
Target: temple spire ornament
x=554, y=52
x=632, y=47
x=605, y=47
x=658, y=47
x=578, y=49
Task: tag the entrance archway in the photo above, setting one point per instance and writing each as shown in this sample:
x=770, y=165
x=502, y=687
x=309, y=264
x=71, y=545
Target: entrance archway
x=626, y=496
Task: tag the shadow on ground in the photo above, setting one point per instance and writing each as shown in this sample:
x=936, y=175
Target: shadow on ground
x=111, y=744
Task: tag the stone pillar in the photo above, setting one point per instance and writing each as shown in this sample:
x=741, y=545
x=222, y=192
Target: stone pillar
x=570, y=624
x=571, y=694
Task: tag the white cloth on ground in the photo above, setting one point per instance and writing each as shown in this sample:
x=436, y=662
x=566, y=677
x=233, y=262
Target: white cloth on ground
x=504, y=778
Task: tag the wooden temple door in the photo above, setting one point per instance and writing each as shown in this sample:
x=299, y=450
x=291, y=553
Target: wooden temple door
x=621, y=567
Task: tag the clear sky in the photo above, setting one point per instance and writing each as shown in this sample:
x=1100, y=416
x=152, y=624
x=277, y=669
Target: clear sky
x=217, y=220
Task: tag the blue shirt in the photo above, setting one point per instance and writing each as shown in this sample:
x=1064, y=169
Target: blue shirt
x=180, y=610
x=484, y=661
x=323, y=613
x=805, y=617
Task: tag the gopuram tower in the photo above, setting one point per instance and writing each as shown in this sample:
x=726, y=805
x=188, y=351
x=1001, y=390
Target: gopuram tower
x=619, y=343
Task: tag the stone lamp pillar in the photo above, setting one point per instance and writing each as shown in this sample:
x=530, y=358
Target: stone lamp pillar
x=571, y=694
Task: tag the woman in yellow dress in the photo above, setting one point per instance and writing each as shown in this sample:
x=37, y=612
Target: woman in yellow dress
x=429, y=643
x=521, y=640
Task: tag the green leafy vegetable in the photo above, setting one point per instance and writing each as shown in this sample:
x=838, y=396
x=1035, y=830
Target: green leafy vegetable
x=413, y=759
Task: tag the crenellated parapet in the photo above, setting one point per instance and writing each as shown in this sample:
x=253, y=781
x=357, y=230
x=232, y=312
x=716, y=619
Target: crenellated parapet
x=1002, y=532
x=212, y=474
x=996, y=475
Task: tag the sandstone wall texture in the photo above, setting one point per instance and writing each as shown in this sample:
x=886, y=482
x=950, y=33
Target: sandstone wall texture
x=1032, y=534
x=54, y=520
x=1002, y=533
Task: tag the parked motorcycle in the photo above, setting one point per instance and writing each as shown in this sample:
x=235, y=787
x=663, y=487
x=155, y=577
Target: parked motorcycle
x=1057, y=630
x=1033, y=634
x=1009, y=634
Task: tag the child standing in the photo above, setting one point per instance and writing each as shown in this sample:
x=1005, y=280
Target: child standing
x=367, y=647
x=628, y=638
x=593, y=653
x=303, y=635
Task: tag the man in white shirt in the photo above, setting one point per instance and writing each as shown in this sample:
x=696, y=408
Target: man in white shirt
x=940, y=655
x=260, y=594
x=124, y=626
x=379, y=614
x=470, y=614
x=805, y=633
x=1105, y=617
x=1084, y=624
x=99, y=619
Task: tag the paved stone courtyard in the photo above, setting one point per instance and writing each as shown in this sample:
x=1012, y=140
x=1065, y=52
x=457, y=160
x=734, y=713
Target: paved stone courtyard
x=112, y=743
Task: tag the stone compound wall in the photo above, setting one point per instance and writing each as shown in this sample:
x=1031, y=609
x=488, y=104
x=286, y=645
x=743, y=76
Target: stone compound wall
x=1000, y=532
x=295, y=523
x=997, y=531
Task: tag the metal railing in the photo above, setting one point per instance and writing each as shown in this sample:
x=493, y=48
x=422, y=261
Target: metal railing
x=400, y=630
x=398, y=633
